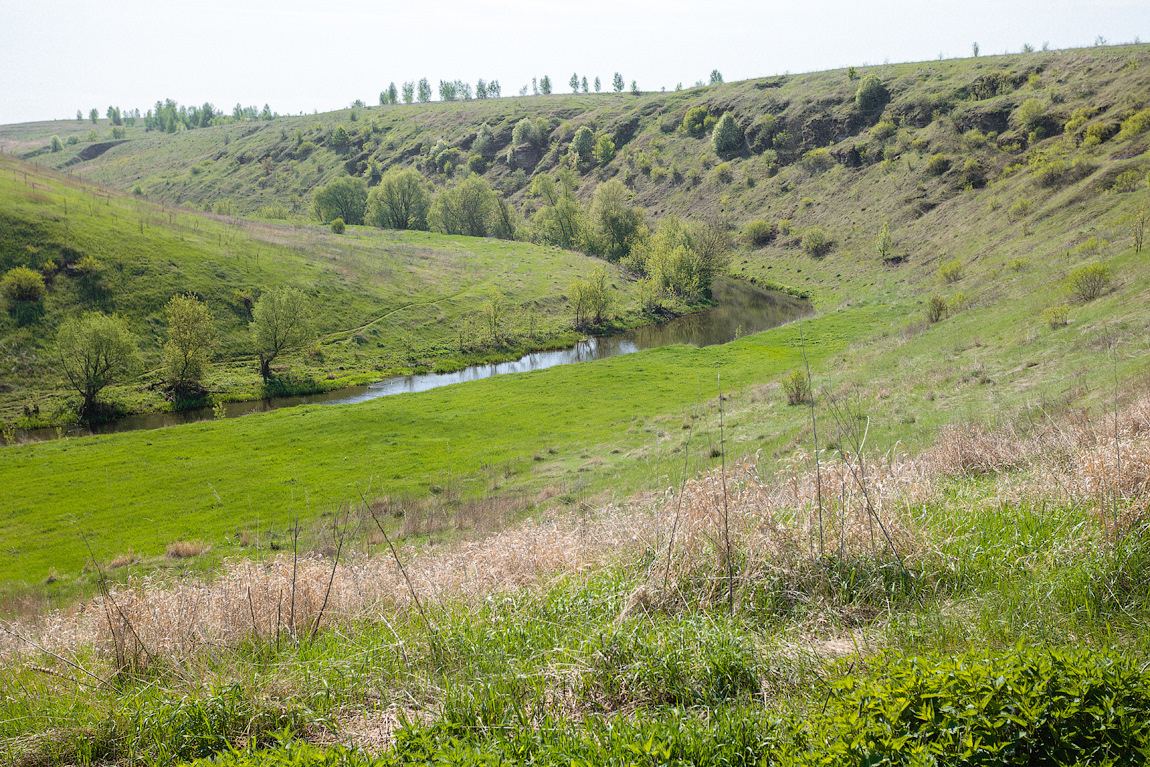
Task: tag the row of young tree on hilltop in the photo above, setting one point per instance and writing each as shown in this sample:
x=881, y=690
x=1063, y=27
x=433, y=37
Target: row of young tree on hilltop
x=459, y=90
x=169, y=117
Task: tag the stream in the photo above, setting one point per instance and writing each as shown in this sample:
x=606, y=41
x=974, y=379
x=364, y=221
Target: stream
x=741, y=309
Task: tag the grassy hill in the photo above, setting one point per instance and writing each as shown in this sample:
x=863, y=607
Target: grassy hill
x=961, y=577
x=383, y=302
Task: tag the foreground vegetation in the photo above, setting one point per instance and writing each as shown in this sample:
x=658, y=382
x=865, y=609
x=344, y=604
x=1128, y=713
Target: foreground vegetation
x=981, y=602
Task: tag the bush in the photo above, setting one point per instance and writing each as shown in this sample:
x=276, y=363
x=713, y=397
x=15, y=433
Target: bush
x=696, y=120
x=1056, y=316
x=972, y=174
x=57, y=144
x=817, y=161
x=1089, y=281
x=936, y=308
x=1019, y=209
x=723, y=171
x=1127, y=181
x=727, y=136
x=950, y=272
x=816, y=241
x=22, y=285
x=337, y=226
x=871, y=94
x=758, y=233
x=73, y=140
x=1031, y=116
x=797, y=387
x=1135, y=124
x=1096, y=133
x=937, y=165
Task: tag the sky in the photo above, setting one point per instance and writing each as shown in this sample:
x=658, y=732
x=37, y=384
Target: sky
x=57, y=56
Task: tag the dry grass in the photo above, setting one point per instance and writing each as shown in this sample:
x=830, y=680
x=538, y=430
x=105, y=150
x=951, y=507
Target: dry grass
x=185, y=549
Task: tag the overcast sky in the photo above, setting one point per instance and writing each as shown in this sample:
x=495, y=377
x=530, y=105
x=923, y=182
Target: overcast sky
x=57, y=56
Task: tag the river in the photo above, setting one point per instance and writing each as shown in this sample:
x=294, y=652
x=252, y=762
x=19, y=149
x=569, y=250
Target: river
x=740, y=309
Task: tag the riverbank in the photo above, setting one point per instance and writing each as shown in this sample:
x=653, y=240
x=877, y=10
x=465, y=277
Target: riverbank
x=737, y=308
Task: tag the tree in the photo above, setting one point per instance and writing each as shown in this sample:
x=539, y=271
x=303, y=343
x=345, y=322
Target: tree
x=280, y=323
x=585, y=88
x=345, y=198
x=408, y=92
x=598, y=85
x=871, y=94
x=591, y=298
x=604, y=150
x=57, y=144
x=716, y=77
x=447, y=91
x=727, y=136
x=574, y=82
x=974, y=49
x=424, y=93
x=484, y=142
x=94, y=351
x=191, y=341
x=392, y=94
x=618, y=226
x=79, y=116
x=545, y=85
x=94, y=115
x=481, y=89
x=494, y=90
x=885, y=243
x=399, y=201
x=617, y=83
x=634, y=87
x=582, y=144
x=464, y=209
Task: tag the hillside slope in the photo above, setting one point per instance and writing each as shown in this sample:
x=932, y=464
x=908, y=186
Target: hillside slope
x=381, y=301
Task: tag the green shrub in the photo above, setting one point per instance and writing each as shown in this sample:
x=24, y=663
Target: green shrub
x=972, y=174
x=476, y=163
x=950, y=272
x=73, y=140
x=1127, y=181
x=1056, y=316
x=57, y=144
x=936, y=308
x=1019, y=209
x=797, y=388
x=758, y=233
x=337, y=226
x=1089, y=281
x=1135, y=124
x=1098, y=132
x=883, y=129
x=695, y=121
x=784, y=226
x=817, y=161
x=23, y=285
x=816, y=241
x=727, y=136
x=937, y=165
x=1031, y=115
x=1078, y=118
x=304, y=149
x=723, y=172
x=871, y=94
